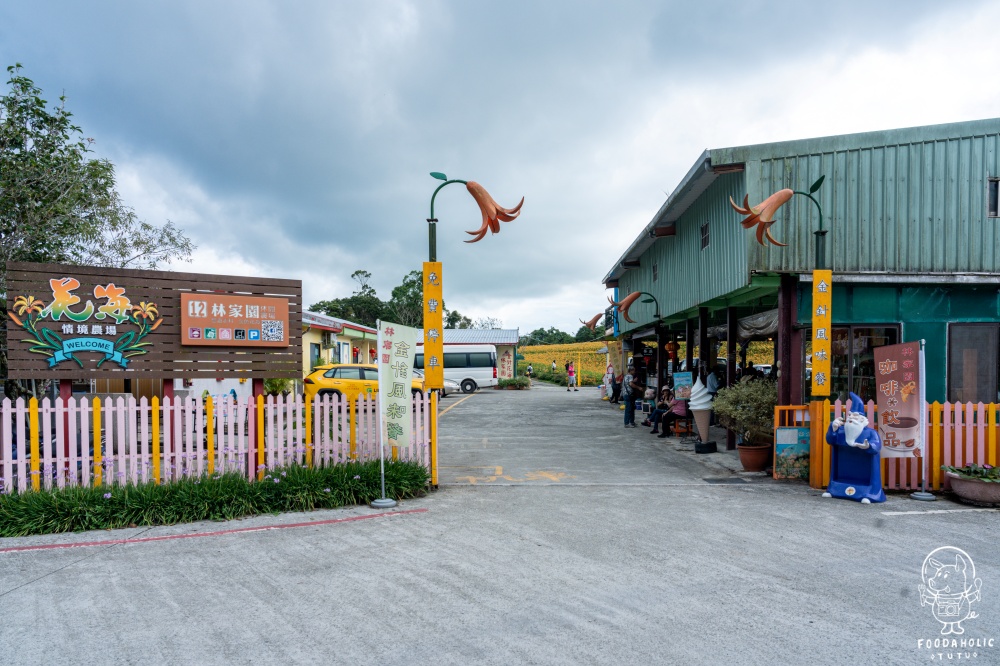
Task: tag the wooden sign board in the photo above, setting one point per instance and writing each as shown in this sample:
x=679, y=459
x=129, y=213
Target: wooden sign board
x=88, y=322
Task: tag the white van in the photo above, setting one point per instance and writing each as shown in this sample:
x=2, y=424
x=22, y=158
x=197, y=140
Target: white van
x=471, y=366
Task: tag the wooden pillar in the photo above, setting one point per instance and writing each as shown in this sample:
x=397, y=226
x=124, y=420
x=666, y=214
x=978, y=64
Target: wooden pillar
x=689, y=343
x=702, y=342
x=783, y=341
x=662, y=338
x=732, y=344
x=258, y=386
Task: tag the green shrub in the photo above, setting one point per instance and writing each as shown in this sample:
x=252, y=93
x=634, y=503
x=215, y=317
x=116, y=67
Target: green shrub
x=747, y=408
x=987, y=473
x=217, y=497
x=516, y=383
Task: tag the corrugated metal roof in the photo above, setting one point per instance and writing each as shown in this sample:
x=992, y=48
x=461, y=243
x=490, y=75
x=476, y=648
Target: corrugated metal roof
x=477, y=336
x=317, y=319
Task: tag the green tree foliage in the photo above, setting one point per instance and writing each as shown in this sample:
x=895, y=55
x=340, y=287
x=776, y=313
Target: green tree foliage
x=551, y=336
x=362, y=307
x=406, y=306
x=584, y=334
x=57, y=204
x=455, y=319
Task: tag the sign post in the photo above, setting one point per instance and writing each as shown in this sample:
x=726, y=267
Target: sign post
x=822, y=319
x=433, y=327
x=397, y=346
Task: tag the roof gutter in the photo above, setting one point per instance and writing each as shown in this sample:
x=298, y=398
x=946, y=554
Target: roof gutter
x=664, y=222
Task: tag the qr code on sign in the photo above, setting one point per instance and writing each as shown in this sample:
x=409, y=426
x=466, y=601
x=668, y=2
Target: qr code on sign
x=272, y=331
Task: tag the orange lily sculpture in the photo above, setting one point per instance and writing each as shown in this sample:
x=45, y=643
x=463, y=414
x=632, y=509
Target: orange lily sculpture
x=493, y=213
x=762, y=214
x=624, y=304
x=592, y=324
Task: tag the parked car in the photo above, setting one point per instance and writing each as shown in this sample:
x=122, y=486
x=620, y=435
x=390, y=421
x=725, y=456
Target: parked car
x=450, y=385
x=350, y=380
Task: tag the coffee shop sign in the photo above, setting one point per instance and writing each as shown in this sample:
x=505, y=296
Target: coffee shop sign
x=86, y=322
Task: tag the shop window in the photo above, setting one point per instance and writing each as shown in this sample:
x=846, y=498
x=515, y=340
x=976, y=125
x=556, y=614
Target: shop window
x=704, y=236
x=972, y=362
x=852, y=363
x=993, y=197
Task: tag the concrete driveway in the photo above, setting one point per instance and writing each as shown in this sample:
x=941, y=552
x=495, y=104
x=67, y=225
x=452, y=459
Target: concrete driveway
x=605, y=546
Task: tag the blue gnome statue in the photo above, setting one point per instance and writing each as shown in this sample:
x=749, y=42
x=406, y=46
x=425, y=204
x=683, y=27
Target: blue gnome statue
x=855, y=469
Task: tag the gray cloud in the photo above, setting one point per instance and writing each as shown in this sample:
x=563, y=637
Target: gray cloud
x=318, y=122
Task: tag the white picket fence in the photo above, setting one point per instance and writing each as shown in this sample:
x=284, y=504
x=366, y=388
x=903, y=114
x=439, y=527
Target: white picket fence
x=143, y=441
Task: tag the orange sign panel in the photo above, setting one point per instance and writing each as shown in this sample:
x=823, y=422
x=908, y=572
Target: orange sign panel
x=822, y=326
x=223, y=320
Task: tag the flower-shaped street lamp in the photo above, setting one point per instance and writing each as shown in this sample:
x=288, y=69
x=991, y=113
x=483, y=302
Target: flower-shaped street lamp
x=493, y=215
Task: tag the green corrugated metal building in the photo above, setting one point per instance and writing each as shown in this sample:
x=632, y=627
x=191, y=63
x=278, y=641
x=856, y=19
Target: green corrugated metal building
x=913, y=241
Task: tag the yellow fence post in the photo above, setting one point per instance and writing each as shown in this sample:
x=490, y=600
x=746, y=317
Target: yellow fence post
x=307, y=407
x=352, y=404
x=434, y=439
x=260, y=438
x=936, y=448
x=210, y=433
x=36, y=479
x=156, y=439
x=98, y=453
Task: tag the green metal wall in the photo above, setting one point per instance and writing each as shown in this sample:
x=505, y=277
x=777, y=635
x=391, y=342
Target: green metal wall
x=903, y=201
x=687, y=275
x=924, y=311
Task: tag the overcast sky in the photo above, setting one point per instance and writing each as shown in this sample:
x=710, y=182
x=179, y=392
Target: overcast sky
x=294, y=139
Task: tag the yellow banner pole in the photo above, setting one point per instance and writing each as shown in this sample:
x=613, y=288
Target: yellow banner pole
x=434, y=439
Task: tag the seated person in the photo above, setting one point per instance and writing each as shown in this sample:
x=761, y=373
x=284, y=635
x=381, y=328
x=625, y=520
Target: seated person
x=676, y=409
x=659, y=409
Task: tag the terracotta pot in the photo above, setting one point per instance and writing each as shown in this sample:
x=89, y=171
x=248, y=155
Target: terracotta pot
x=974, y=491
x=754, y=458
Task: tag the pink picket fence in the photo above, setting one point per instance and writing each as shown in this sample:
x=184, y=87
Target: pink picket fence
x=151, y=441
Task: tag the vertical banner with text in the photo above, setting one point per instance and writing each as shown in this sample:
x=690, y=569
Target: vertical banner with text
x=822, y=324
x=900, y=398
x=397, y=345
x=433, y=327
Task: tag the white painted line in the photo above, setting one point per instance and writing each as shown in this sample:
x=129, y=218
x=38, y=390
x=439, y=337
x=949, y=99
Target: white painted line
x=920, y=513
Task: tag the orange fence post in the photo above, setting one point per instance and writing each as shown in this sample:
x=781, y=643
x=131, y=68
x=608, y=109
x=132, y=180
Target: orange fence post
x=36, y=478
x=156, y=439
x=260, y=437
x=307, y=408
x=210, y=433
x=991, y=434
x=352, y=414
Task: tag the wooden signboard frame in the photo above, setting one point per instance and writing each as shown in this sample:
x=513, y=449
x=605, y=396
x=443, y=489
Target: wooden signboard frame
x=160, y=354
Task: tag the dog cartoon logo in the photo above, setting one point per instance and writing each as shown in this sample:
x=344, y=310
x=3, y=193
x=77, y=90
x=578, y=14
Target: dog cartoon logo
x=950, y=587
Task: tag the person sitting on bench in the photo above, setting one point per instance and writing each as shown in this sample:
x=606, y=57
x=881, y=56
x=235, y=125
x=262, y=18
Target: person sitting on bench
x=675, y=409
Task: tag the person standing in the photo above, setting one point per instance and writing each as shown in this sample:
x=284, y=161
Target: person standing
x=553, y=366
x=571, y=377
x=631, y=389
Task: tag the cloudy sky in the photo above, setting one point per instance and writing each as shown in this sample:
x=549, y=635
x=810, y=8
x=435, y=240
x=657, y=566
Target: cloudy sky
x=294, y=139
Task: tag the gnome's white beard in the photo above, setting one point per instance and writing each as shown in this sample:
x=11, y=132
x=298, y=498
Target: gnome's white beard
x=856, y=422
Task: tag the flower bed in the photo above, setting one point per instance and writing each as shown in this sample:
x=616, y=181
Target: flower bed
x=216, y=497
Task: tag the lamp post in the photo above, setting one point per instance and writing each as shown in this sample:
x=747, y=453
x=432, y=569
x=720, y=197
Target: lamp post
x=493, y=214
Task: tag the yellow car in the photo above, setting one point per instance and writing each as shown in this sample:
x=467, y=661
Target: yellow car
x=349, y=380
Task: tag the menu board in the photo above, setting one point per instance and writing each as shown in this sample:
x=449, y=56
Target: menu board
x=900, y=393
x=683, y=381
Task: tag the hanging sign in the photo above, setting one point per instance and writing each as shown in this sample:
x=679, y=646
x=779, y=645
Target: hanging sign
x=900, y=397
x=397, y=345
x=433, y=326
x=822, y=325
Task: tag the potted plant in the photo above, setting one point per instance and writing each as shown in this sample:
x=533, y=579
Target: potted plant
x=975, y=484
x=747, y=408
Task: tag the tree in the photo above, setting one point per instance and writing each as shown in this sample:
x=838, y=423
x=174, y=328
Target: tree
x=541, y=336
x=487, y=323
x=406, y=306
x=362, y=307
x=454, y=319
x=57, y=204
x=584, y=334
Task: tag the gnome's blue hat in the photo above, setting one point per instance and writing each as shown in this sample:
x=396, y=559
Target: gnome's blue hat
x=856, y=405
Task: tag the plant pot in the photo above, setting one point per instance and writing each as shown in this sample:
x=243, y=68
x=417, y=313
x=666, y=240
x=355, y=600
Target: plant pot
x=974, y=491
x=754, y=458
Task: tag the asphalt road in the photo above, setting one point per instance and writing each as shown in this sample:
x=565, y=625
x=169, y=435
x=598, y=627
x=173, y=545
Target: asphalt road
x=557, y=537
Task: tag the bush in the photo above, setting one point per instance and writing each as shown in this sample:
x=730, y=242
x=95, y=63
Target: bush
x=217, y=497
x=747, y=408
x=973, y=471
x=517, y=383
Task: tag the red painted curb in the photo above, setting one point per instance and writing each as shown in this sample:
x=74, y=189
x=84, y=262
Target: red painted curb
x=263, y=528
